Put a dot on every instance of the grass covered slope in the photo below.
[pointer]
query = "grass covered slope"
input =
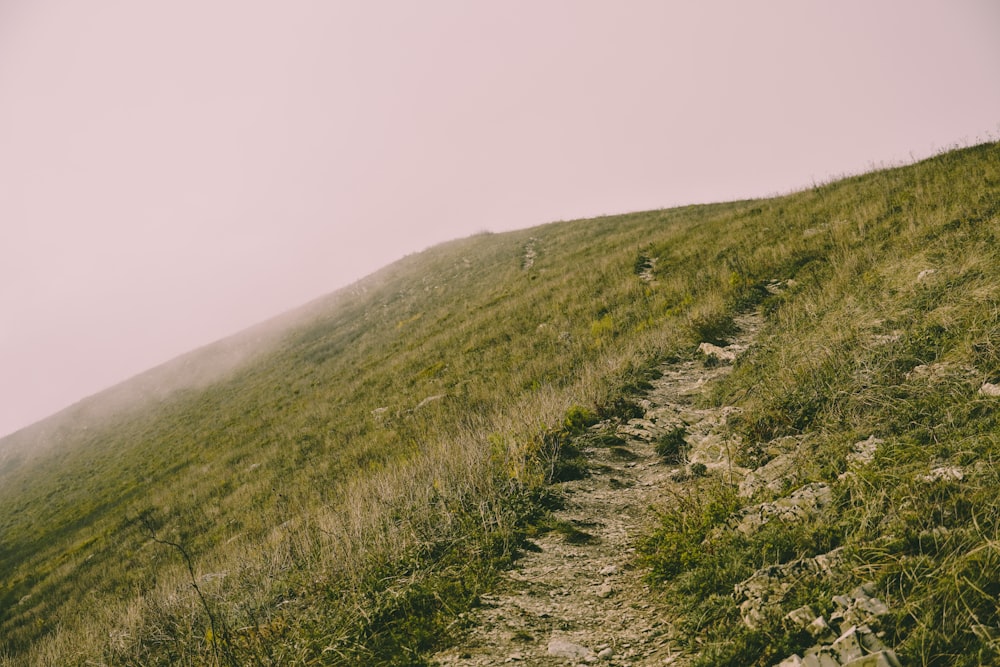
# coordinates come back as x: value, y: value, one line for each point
x: 377, y: 462
x: 341, y: 498
x: 872, y: 377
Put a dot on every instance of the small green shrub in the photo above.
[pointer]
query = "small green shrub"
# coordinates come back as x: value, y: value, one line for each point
x: 604, y: 440
x: 579, y: 419
x: 561, y: 458
x: 568, y: 469
x: 679, y: 544
x: 603, y: 329
x: 748, y: 295
x: 672, y: 445
x: 621, y: 408
x: 716, y: 328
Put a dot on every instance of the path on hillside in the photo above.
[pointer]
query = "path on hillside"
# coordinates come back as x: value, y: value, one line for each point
x: 583, y: 601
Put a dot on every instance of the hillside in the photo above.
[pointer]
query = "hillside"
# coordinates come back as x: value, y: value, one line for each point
x: 352, y: 488
x: 191, y: 371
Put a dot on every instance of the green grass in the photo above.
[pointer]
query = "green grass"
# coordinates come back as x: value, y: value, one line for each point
x: 357, y: 484
x: 858, y: 345
x: 671, y: 445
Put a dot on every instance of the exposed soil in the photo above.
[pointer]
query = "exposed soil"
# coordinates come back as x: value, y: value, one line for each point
x: 530, y: 254
x: 580, y: 598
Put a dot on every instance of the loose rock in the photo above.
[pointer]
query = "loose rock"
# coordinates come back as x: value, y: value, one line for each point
x: 802, y: 504
x: 857, y: 645
x: 725, y: 354
x: 604, y: 591
x: 767, y: 586
x: 989, y: 389
x: 772, y: 476
x: 863, y: 452
x: 952, y: 473
x: 563, y: 648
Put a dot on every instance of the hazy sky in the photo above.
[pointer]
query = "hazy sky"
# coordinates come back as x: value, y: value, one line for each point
x: 172, y: 171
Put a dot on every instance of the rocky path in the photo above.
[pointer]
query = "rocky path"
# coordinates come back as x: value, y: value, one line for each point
x: 580, y: 598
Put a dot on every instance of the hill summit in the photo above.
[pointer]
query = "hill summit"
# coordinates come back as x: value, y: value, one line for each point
x: 749, y: 433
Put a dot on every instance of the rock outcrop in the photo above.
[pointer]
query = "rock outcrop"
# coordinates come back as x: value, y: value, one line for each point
x: 856, y: 644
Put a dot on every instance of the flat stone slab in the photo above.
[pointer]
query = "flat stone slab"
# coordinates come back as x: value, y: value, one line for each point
x: 563, y: 648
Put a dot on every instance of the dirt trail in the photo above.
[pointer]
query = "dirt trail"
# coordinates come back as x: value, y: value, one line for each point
x: 580, y: 599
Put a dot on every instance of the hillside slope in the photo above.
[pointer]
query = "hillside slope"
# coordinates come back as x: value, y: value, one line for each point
x: 345, y: 494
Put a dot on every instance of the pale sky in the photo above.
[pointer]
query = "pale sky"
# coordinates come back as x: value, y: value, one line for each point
x: 173, y: 171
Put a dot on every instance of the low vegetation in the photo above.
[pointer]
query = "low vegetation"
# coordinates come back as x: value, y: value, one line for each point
x: 345, y: 495
x: 888, y: 328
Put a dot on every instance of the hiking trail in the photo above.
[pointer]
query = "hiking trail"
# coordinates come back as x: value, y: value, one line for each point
x: 580, y: 597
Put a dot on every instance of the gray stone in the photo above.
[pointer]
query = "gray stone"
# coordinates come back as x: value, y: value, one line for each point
x: 990, y: 389
x: 429, y: 400
x: 720, y: 353
x: 857, y: 645
x: 799, y: 619
x: 821, y: 631
x: 869, y: 641
x: 767, y: 585
x: 791, y: 661
x: 951, y: 473
x: 865, y: 600
x: 848, y: 646
x: 772, y: 476
x: 863, y: 452
x: 640, y: 429
x: 564, y: 648
x: 828, y: 562
x: 885, y: 658
x: 802, y: 504
x: 940, y: 371
x: 820, y: 656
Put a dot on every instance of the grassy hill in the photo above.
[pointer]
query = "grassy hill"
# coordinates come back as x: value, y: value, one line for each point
x: 341, y: 490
